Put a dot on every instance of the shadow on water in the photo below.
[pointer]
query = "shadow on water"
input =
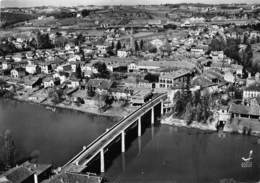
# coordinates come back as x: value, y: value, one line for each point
x: 113, y: 150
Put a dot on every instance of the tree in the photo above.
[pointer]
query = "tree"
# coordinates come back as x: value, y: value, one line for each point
x: 153, y: 50
x: 7, y: 48
x: 196, y: 98
x: 102, y: 70
x: 2, y: 87
x: 8, y: 149
x: 141, y: 45
x: 33, y: 43
x: 91, y: 92
x: 80, y: 39
x: 188, y: 116
x: 170, y: 26
x: 179, y: 107
x: 85, y: 12
x: 112, y: 45
x: 60, y: 41
x: 205, y: 108
x: 78, y: 71
x: 198, y: 112
x: 177, y: 95
x: 111, y: 49
x: 55, y: 95
x: 118, y: 45
x: 231, y: 50
x: 152, y: 78
x: 217, y: 45
x: 136, y: 46
x: 109, y: 100
x: 43, y: 41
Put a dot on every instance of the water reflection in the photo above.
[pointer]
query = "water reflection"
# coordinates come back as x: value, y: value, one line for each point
x: 56, y: 135
x: 162, y: 154
x: 187, y: 155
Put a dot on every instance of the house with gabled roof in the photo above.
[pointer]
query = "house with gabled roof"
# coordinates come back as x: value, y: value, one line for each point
x: 27, y: 173
x: 99, y: 85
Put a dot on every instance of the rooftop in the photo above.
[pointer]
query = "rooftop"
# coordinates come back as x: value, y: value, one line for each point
x: 246, y: 110
x: 253, y: 87
x: 74, y: 177
x: 175, y: 74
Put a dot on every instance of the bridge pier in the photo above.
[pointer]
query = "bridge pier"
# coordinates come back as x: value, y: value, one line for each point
x: 161, y: 107
x: 97, y: 147
x: 152, y: 116
x: 139, y: 145
x: 152, y: 131
x: 139, y: 127
x: 123, y: 142
x: 102, y: 161
x: 123, y: 161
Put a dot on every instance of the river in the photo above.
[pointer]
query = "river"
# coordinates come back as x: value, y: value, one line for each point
x: 163, y: 154
x: 56, y: 135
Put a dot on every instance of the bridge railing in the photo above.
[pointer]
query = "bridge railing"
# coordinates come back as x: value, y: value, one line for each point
x: 113, y: 127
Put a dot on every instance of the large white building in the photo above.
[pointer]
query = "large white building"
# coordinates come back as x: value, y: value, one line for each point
x: 251, y: 91
x: 174, y: 78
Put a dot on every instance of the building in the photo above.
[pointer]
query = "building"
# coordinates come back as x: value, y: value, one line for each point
x: 122, y: 53
x: 69, y: 177
x: 121, y: 93
x: 99, y: 85
x: 26, y: 173
x: 251, y: 91
x: 31, y: 82
x: 73, y: 83
x: 140, y: 97
x: 62, y: 76
x: 18, y: 73
x: 153, y: 65
x: 229, y: 77
x: 32, y: 69
x: 173, y: 79
x: 48, y: 82
x: 45, y: 67
x: 245, y: 111
x: 6, y: 65
x: 217, y: 56
x: 223, y: 114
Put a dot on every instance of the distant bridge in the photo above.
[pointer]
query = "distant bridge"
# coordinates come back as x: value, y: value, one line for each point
x: 80, y: 161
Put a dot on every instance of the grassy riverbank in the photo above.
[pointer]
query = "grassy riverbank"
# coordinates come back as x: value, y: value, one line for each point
x: 90, y: 105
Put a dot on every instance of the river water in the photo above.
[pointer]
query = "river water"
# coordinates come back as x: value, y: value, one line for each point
x: 56, y: 135
x: 163, y: 154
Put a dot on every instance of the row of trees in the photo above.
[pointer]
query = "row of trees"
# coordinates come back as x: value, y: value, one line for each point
x: 7, y: 150
x: 192, y: 106
x: 230, y: 46
x: 103, y: 72
x: 40, y: 41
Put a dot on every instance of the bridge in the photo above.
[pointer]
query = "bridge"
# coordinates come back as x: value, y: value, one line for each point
x: 80, y: 161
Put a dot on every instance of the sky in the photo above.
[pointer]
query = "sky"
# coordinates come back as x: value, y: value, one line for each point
x: 29, y: 3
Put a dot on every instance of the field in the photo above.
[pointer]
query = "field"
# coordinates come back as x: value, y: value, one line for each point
x: 9, y: 19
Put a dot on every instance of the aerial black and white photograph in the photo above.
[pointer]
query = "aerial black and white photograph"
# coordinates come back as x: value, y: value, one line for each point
x: 138, y: 91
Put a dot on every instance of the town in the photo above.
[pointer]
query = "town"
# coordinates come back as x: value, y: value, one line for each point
x: 111, y: 60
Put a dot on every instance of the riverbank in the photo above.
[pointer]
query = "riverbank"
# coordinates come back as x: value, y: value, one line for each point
x: 182, y: 123
x: 228, y: 128
x: 89, y: 106
x: 88, y: 109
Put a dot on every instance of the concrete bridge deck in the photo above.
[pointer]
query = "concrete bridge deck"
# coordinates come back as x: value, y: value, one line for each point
x: 79, y: 162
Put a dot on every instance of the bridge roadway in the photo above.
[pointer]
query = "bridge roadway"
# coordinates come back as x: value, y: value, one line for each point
x: 79, y: 162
